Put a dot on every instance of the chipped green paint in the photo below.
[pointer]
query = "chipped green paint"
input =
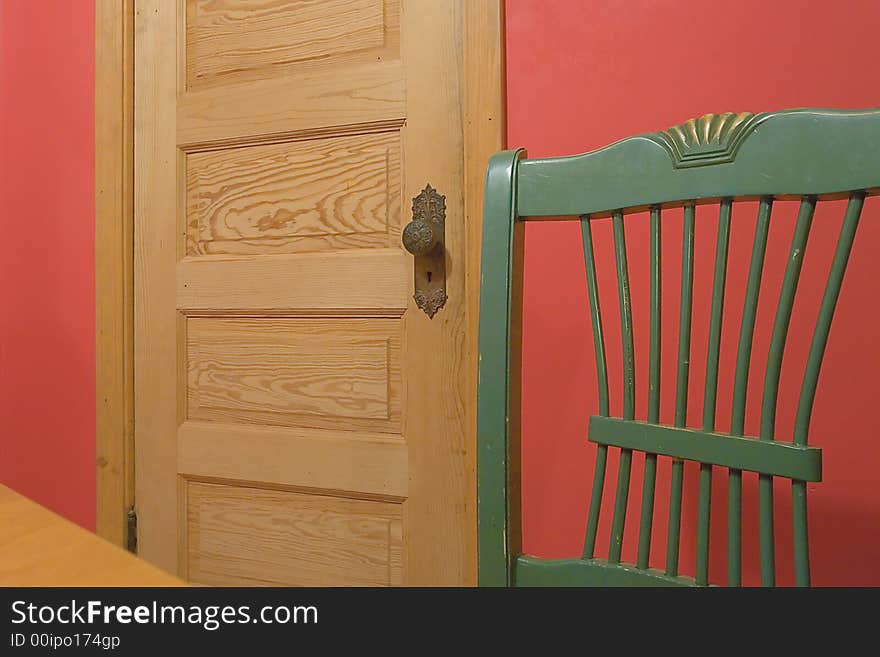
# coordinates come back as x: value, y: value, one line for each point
x: 497, y: 508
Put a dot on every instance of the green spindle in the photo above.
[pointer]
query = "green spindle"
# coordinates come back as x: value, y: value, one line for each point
x: 625, y: 465
x: 620, y: 500
x: 734, y: 527
x: 685, y: 312
x: 595, y: 315
x: 750, y: 310
x: 801, y: 535
x: 654, y: 365
x: 626, y: 329
x: 716, y: 314
x: 649, y: 482
x: 703, y: 517
x: 741, y: 378
x: 811, y: 378
x: 771, y: 380
x: 595, y: 501
x: 647, y: 518
x: 602, y: 376
x: 826, y: 314
x: 672, y: 541
x: 783, y: 316
x: 765, y: 523
x: 681, y: 387
x: 710, y: 395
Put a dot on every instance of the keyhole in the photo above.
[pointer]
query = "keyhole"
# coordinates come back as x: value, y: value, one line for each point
x: 429, y: 277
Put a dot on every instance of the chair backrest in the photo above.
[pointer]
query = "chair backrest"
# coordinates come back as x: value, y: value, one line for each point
x: 805, y: 154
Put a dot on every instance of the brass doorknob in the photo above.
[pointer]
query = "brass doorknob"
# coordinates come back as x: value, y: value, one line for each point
x: 419, y: 238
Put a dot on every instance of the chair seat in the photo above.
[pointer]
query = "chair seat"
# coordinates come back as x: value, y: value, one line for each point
x: 532, y: 571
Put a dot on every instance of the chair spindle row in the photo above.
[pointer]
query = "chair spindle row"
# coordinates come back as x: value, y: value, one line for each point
x: 744, y: 352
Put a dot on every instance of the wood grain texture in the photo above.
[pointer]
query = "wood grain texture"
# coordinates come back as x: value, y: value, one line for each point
x: 114, y: 23
x: 339, y: 374
x: 372, y: 279
x: 40, y: 548
x: 302, y: 103
x: 439, y: 515
x: 155, y: 316
x: 235, y: 40
x: 241, y: 536
x: 484, y: 133
x: 315, y: 195
x: 346, y: 462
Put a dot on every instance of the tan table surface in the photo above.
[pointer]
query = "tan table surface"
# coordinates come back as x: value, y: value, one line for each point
x: 40, y: 548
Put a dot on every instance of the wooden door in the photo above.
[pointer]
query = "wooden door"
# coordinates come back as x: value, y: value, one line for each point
x: 299, y: 421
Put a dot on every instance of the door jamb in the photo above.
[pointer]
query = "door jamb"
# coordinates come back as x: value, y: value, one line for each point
x: 114, y: 251
x: 484, y: 134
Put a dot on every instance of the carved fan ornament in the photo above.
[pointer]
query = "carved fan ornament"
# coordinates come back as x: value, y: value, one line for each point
x: 709, y: 139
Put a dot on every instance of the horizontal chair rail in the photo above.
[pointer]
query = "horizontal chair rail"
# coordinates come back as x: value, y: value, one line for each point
x: 531, y: 571
x: 765, y: 457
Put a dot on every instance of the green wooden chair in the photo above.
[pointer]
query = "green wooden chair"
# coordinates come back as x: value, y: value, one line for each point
x: 810, y: 155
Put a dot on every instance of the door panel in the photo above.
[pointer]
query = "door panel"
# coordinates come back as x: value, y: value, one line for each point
x: 325, y: 194
x: 298, y: 419
x: 339, y: 373
x: 230, y: 42
x: 256, y: 536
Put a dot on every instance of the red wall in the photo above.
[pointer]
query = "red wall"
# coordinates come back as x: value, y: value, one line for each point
x: 584, y: 74
x: 47, y: 306
x: 580, y: 75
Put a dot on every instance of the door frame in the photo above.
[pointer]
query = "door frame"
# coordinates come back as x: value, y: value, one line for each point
x: 484, y: 134
x: 114, y: 270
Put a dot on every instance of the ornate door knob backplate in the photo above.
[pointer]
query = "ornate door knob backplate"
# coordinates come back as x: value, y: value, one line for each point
x: 424, y: 237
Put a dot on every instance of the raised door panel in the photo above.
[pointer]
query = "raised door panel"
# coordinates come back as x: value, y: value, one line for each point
x: 242, y: 536
x: 341, y: 373
x: 233, y: 40
x: 303, y: 196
